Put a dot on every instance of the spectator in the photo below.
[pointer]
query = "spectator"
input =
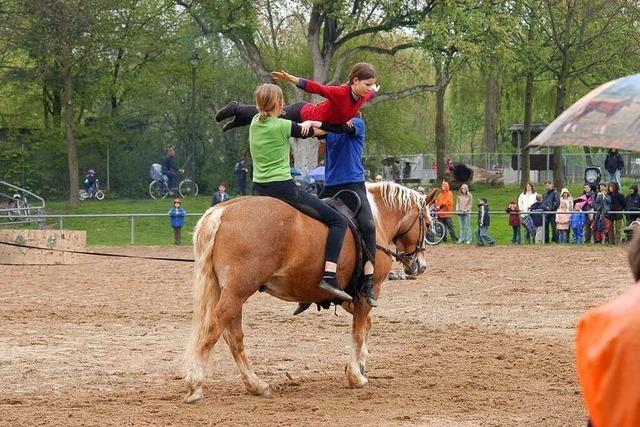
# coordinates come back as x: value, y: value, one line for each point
x: 449, y: 165
x: 90, y: 182
x: 525, y: 200
x: 241, y: 178
x: 514, y: 221
x: 617, y: 204
x: 562, y: 221
x: 537, y: 212
x: 633, y: 204
x: 169, y: 168
x: 220, y: 195
x: 420, y: 189
x: 601, y: 206
x: 552, y: 202
x: 577, y: 221
x: 177, y: 213
x: 566, y: 196
x: 483, y: 224
x: 378, y: 178
x: 614, y: 164
x: 464, y: 202
x: 444, y: 203
x: 590, y: 199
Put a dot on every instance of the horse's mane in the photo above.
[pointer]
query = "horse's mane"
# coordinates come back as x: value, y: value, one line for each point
x: 397, y: 196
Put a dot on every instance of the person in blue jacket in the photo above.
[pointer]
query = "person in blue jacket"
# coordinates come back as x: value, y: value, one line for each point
x: 221, y: 195
x: 176, y: 215
x: 344, y: 171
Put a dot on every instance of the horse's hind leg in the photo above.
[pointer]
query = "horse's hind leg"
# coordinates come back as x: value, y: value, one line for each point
x: 234, y: 336
x: 228, y: 307
x: 359, y: 332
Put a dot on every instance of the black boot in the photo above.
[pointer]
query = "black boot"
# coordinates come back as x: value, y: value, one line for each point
x: 226, y: 111
x: 367, y: 290
x: 333, y: 288
x: 302, y: 307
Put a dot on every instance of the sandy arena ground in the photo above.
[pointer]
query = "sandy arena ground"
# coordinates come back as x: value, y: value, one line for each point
x: 485, y: 337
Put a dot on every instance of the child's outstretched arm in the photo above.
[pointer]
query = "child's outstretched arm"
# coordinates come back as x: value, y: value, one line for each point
x: 308, y: 86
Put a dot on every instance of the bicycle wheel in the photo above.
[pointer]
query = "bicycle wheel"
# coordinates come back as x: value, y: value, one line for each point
x: 435, y: 233
x: 82, y: 195
x: 188, y: 188
x: 99, y: 195
x: 158, y: 190
x: 13, y: 213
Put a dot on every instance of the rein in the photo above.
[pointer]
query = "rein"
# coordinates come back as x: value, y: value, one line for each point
x: 408, y: 259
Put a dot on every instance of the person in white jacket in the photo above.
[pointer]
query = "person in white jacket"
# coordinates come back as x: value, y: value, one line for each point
x: 525, y: 200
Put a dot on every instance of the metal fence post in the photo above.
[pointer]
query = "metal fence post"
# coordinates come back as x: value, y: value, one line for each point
x: 61, y: 223
x: 133, y: 229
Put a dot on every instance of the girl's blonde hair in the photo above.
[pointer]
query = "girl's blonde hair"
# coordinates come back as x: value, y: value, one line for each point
x: 269, y: 98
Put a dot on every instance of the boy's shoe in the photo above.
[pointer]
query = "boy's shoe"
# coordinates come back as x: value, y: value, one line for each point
x: 492, y: 243
x: 479, y: 245
x: 226, y: 111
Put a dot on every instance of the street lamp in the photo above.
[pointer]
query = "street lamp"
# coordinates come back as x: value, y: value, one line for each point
x: 194, y: 60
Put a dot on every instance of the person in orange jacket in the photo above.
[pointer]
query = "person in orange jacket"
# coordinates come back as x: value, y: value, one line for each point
x: 444, y: 203
x: 608, y: 356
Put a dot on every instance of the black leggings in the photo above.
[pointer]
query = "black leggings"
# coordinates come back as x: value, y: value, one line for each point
x: 365, y: 216
x: 245, y: 113
x: 310, y: 205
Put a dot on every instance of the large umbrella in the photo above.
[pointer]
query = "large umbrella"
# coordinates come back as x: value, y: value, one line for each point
x: 608, y: 116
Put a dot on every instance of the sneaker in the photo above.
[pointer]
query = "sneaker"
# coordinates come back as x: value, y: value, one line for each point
x: 335, y: 290
x: 230, y: 125
x: 227, y: 111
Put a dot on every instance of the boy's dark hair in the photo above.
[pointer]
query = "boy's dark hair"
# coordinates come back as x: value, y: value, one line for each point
x: 547, y: 182
x: 483, y: 200
x: 538, y: 197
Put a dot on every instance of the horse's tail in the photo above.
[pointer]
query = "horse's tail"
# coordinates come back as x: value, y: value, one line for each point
x: 206, y: 291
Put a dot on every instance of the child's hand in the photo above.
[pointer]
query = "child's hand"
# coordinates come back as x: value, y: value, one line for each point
x: 282, y: 76
x: 306, y: 126
x: 375, y: 88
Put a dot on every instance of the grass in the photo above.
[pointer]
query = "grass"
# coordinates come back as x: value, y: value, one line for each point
x: 157, y: 231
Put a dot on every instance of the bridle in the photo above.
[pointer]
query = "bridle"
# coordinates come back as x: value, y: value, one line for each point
x: 409, y: 259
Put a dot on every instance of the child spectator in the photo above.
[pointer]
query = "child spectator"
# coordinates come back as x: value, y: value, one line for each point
x: 514, y: 221
x: 537, y: 213
x: 221, y: 195
x: 577, y: 221
x: 633, y: 204
x: 617, y: 205
x: 590, y: 198
x: 90, y: 182
x: 176, y: 213
x: 562, y: 221
x: 444, y: 202
x: 602, y: 206
x: 463, y: 206
x: 525, y: 200
x: 483, y: 224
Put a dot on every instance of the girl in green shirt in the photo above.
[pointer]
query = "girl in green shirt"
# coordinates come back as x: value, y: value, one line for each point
x: 269, y: 144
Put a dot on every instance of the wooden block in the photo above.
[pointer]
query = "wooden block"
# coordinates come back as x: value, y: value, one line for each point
x: 53, y: 239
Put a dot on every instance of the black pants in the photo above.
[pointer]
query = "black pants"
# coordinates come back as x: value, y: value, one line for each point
x: 245, y: 113
x: 310, y: 205
x: 365, y: 216
x: 449, y: 226
x: 550, y: 223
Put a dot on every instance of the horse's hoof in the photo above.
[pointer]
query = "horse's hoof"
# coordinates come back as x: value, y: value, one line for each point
x: 194, y: 395
x: 362, y: 369
x: 266, y: 393
x: 360, y: 382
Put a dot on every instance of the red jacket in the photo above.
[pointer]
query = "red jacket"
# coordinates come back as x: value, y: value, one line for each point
x: 514, y: 219
x: 338, y: 107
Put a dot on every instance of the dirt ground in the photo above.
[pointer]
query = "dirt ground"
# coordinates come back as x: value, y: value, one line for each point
x: 485, y: 337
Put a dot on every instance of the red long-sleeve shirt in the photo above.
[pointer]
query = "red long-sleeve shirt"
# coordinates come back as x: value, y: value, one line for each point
x: 339, y: 105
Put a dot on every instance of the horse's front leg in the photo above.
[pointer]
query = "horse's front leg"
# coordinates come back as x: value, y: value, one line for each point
x: 359, y: 332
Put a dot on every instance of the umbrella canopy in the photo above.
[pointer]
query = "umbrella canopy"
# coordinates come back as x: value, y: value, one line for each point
x: 607, y: 117
x: 317, y: 173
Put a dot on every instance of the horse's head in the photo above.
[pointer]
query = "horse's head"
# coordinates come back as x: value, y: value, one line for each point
x: 413, y: 219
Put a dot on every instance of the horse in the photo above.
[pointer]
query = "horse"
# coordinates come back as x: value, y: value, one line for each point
x: 253, y: 244
x: 609, y: 107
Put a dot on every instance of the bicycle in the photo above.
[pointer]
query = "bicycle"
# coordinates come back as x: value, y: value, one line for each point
x: 434, y: 233
x: 159, y: 187
x: 20, y: 207
x: 97, y: 193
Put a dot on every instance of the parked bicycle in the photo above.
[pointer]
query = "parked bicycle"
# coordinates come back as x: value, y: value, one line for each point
x: 97, y: 192
x: 435, y: 232
x: 159, y: 186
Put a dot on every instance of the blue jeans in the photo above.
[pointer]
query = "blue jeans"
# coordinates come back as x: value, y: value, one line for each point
x: 483, y: 236
x: 465, y: 228
x: 563, y: 236
x: 516, y: 234
x: 615, y: 177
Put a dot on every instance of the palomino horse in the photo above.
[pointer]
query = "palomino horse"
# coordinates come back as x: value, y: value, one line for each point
x: 255, y: 243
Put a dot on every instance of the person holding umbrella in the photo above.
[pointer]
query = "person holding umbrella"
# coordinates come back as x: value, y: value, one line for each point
x: 614, y: 164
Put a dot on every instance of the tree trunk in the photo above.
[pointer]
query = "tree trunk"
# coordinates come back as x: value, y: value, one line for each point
x: 440, y: 132
x: 305, y: 153
x: 57, y: 108
x: 525, y: 164
x: 45, y: 108
x: 561, y: 91
x: 490, y: 139
x: 72, y: 156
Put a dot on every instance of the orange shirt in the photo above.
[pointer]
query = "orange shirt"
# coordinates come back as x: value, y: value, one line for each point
x: 608, y: 361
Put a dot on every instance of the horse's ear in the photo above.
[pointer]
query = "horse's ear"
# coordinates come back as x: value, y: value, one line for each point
x: 431, y: 196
